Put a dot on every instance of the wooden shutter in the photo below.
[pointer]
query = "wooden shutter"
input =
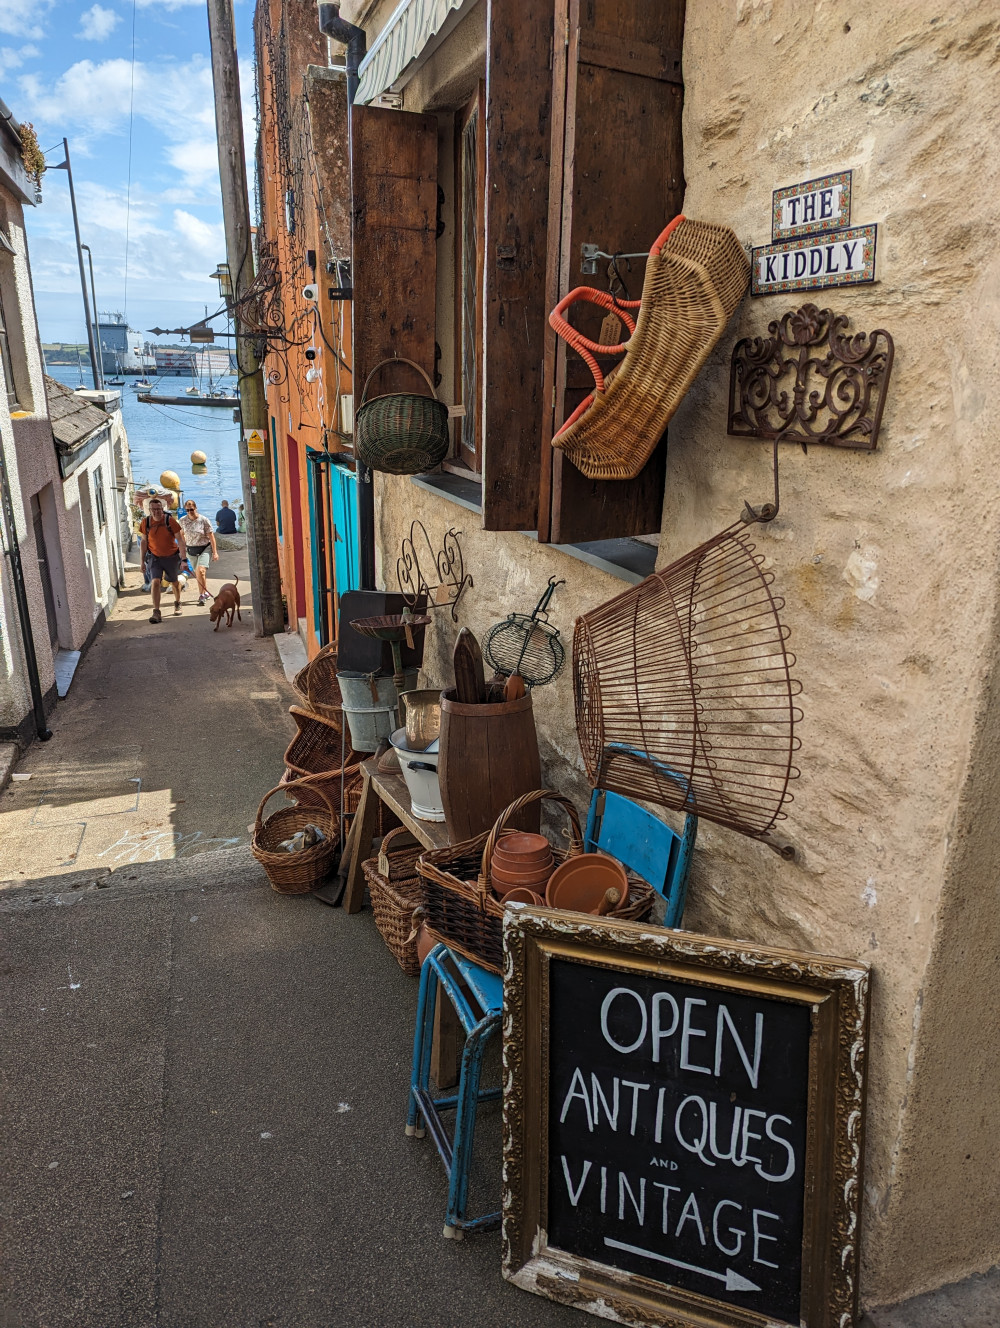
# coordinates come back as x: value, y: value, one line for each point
x: 618, y: 164
x: 393, y: 244
x: 518, y: 143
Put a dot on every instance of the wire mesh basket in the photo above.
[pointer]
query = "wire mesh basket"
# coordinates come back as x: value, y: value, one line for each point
x: 683, y: 689
x: 527, y: 644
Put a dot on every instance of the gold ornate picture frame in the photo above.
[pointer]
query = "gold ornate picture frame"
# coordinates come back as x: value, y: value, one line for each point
x: 683, y: 1125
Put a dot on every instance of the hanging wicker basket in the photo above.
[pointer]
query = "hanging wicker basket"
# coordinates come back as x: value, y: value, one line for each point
x: 401, y: 433
x: 696, y: 275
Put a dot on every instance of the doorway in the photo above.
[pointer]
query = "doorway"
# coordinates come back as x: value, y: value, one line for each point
x: 45, y: 572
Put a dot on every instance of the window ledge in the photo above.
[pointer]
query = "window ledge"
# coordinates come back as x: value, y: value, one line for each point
x: 456, y: 488
x: 628, y: 559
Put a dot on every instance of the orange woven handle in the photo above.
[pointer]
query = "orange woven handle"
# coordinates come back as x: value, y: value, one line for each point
x: 525, y: 800
x: 585, y: 347
x: 289, y: 788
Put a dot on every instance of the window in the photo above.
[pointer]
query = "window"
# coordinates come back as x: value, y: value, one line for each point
x: 469, y: 191
x: 102, y: 516
x: 8, y: 367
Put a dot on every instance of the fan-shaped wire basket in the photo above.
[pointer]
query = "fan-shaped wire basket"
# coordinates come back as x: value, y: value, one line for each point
x: 683, y: 689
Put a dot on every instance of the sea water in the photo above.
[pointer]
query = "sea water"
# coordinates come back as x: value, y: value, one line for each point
x: 163, y: 437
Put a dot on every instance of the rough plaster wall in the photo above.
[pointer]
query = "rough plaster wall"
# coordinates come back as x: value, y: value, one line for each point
x: 887, y: 564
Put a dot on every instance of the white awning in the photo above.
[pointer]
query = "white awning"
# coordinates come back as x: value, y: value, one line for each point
x: 415, y: 29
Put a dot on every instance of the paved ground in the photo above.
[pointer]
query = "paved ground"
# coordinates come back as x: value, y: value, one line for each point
x: 205, y: 1092
x: 164, y: 746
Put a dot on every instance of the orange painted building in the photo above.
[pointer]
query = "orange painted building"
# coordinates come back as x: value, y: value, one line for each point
x: 303, y: 259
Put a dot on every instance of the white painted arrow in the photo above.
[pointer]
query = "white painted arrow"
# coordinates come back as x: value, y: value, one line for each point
x: 733, y: 1280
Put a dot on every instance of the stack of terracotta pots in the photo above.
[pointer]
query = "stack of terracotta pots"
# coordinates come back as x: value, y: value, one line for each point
x: 523, y: 871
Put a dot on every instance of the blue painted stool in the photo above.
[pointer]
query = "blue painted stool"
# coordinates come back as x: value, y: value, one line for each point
x: 615, y: 825
x: 442, y: 969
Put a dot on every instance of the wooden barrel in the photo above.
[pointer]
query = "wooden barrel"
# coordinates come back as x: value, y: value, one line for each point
x: 489, y: 757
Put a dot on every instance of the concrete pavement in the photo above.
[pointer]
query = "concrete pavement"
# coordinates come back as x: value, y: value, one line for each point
x: 205, y: 1091
x: 164, y: 746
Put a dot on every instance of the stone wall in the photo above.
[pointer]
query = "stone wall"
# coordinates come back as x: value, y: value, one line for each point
x: 887, y: 564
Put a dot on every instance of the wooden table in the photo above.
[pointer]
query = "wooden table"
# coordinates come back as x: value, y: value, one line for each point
x: 391, y: 791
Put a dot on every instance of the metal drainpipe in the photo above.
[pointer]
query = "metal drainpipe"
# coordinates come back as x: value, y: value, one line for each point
x: 332, y: 25
x: 21, y: 595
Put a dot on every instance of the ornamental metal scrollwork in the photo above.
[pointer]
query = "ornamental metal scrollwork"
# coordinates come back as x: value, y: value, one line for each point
x: 811, y: 381
x: 452, y: 578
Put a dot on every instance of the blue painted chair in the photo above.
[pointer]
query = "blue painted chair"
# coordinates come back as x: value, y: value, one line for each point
x: 616, y: 826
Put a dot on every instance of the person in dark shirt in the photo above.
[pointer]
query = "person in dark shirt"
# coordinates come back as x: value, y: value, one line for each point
x: 225, y: 519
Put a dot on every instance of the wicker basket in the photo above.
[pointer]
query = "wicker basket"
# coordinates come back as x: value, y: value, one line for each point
x: 295, y: 873
x: 316, y: 751
x: 396, y: 893
x: 696, y: 275
x: 466, y: 915
x: 401, y: 433
x: 318, y: 688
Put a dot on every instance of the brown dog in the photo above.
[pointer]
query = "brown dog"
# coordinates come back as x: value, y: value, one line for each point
x: 227, y: 601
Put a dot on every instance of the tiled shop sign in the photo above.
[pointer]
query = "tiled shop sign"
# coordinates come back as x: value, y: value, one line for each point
x: 812, y: 207
x: 840, y: 258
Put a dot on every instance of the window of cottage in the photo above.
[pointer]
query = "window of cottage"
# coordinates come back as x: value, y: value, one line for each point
x: 8, y: 367
x: 469, y: 229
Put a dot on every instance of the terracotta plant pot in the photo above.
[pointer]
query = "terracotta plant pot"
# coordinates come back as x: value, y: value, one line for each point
x: 580, y: 883
x: 522, y: 896
x: 503, y: 881
x: 523, y: 848
x: 425, y: 943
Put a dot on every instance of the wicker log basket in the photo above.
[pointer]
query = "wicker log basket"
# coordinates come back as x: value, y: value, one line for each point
x: 318, y: 688
x: 296, y: 873
x: 462, y: 910
x: 315, y: 754
x: 396, y: 892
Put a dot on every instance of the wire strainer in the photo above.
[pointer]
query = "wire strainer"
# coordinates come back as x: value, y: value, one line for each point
x: 527, y: 644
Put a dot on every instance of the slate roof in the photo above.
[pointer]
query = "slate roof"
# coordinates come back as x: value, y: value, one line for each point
x: 74, y: 419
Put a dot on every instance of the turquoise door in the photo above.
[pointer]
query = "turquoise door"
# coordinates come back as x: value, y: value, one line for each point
x: 344, y: 498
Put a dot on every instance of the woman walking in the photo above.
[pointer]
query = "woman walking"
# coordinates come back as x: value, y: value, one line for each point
x: 200, y: 538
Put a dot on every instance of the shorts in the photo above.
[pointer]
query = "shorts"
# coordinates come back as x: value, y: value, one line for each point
x: 167, y: 568
x: 199, y: 557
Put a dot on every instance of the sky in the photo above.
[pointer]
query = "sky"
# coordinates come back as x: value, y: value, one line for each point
x: 67, y: 66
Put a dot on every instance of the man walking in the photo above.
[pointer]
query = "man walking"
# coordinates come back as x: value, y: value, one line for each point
x: 225, y: 519
x: 163, y: 541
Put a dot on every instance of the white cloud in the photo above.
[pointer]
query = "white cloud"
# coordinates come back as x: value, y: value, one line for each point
x: 20, y: 18
x: 97, y: 23
x: 169, y: 4
x: 14, y: 59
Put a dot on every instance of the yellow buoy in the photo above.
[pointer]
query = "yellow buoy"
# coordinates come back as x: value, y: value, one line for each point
x: 170, y: 498
x: 170, y: 480
x: 198, y: 458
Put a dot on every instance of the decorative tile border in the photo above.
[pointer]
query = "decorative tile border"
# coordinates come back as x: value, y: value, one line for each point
x: 812, y: 207
x: 838, y: 258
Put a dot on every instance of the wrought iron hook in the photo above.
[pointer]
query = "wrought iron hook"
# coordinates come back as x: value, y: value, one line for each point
x: 767, y: 511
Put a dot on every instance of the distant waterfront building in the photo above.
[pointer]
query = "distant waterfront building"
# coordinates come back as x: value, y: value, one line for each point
x: 122, y: 348
x: 177, y: 360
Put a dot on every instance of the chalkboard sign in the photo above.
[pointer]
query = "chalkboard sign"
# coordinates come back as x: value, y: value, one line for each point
x: 683, y: 1123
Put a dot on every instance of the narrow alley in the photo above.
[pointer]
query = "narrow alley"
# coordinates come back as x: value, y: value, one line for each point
x: 197, y: 1131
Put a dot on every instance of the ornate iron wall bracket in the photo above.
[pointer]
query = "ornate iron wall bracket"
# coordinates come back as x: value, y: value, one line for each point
x: 810, y: 381
x: 452, y: 578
